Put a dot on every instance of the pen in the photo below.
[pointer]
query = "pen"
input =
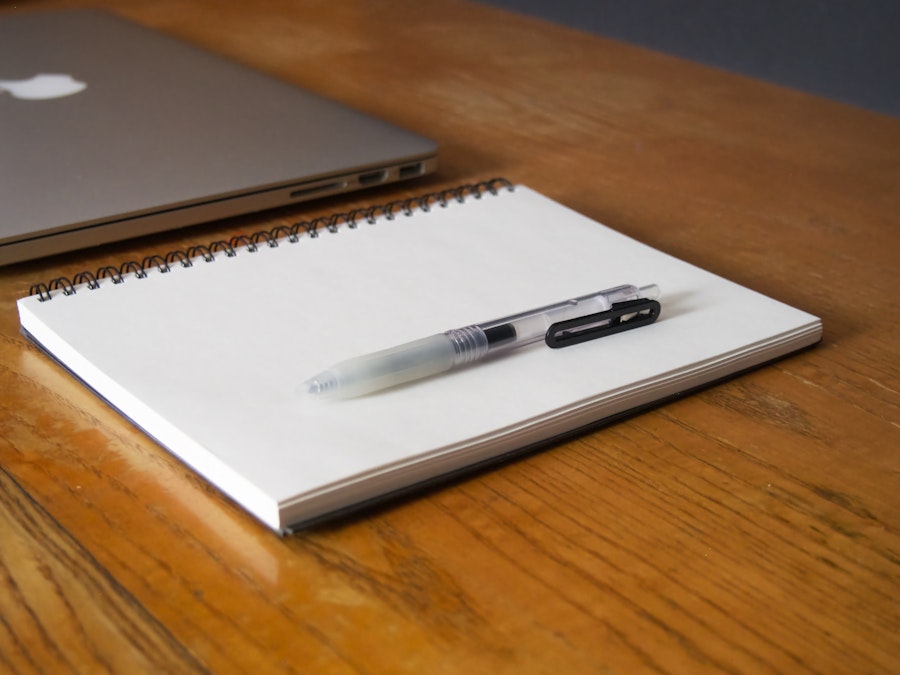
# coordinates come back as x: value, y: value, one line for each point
x: 567, y: 322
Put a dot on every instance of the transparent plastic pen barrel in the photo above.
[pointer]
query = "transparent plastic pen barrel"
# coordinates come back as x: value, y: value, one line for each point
x: 460, y: 346
x: 527, y: 327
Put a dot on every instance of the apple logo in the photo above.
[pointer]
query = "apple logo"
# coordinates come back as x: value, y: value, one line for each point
x: 42, y: 86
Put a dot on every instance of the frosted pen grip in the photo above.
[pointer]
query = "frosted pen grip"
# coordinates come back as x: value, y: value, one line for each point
x: 397, y: 365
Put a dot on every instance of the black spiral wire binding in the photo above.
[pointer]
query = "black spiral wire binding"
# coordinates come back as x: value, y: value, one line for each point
x: 271, y: 238
x: 200, y: 251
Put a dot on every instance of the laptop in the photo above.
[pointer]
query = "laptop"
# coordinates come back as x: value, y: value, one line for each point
x: 111, y: 130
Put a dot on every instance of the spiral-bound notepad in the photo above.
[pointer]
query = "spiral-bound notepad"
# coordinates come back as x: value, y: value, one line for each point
x: 205, y: 349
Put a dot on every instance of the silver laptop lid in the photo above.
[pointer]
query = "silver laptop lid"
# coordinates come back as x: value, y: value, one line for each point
x: 112, y: 130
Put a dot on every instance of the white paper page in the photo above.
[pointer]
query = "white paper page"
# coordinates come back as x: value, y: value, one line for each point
x: 219, y: 350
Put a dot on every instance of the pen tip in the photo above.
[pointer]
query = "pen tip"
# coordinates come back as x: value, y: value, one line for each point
x: 311, y: 388
x: 318, y: 386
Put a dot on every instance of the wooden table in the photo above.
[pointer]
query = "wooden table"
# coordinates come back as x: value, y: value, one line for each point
x: 753, y: 527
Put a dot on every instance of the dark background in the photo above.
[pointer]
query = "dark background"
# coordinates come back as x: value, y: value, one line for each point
x: 848, y: 50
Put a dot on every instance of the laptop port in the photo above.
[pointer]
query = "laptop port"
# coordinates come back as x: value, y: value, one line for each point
x: 372, y: 177
x: 316, y: 189
x: 411, y: 170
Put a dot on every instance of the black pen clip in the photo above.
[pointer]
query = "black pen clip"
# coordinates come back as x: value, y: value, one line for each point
x: 622, y: 316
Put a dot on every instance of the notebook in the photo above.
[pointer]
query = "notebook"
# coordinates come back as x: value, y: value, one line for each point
x: 206, y: 349
x: 120, y: 131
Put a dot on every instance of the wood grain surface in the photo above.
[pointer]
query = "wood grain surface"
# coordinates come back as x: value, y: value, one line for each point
x: 749, y: 528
